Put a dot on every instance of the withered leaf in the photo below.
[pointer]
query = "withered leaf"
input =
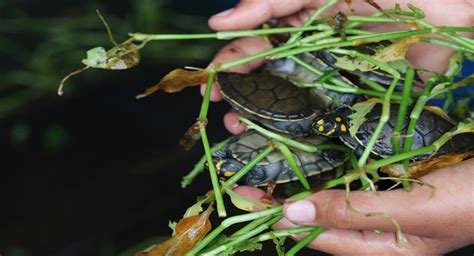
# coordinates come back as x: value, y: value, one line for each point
x: 192, y: 135
x: 189, y: 231
x: 177, y: 80
x: 396, y: 51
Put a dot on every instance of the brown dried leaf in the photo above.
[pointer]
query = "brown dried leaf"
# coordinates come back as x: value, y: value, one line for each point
x: 192, y: 135
x: 177, y: 80
x: 396, y: 51
x: 189, y: 231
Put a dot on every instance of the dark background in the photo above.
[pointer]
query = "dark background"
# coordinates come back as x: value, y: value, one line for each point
x: 96, y: 172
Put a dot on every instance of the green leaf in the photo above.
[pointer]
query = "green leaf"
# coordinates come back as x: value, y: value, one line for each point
x: 96, y: 57
x: 352, y: 64
x: 196, y: 208
x: 448, y: 86
x: 119, y: 57
x: 400, y: 65
x: 455, y: 65
x: 172, y: 225
x: 360, y: 110
x: 469, y: 56
x: 242, y: 247
x: 279, y: 244
x: 465, y: 127
x: 243, y: 203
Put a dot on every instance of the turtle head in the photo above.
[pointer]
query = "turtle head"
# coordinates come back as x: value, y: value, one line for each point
x: 329, y: 125
x: 226, y: 167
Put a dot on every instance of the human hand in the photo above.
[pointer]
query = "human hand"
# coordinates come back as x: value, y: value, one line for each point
x: 431, y: 225
x: 251, y: 13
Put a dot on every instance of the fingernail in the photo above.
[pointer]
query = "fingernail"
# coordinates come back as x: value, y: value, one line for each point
x: 301, y: 211
x: 224, y: 13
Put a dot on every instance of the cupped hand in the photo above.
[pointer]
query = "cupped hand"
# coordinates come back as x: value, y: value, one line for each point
x: 251, y: 13
x: 432, y: 224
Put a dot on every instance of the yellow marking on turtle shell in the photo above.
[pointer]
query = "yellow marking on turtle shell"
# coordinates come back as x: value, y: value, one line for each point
x: 343, y: 128
x: 321, y: 128
x: 228, y: 174
x: 320, y: 121
x: 338, y: 119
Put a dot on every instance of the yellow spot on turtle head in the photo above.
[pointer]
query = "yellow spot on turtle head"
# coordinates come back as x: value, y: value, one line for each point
x: 219, y: 164
x: 228, y: 174
x: 338, y: 119
x: 331, y: 131
x: 321, y: 128
x: 320, y: 121
x: 343, y: 128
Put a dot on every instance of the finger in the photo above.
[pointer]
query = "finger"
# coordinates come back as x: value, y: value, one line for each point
x: 238, y: 49
x: 254, y: 194
x: 251, y: 13
x: 215, y: 93
x: 414, y: 210
x: 232, y: 123
x: 353, y: 242
x: 328, y: 208
x: 251, y: 193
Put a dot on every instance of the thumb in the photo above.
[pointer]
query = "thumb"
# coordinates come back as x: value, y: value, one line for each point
x: 367, y: 210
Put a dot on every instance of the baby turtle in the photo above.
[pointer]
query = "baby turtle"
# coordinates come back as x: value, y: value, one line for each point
x: 431, y: 125
x: 273, y: 101
x: 274, y: 167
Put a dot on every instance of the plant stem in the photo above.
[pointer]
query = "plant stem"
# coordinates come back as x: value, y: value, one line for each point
x: 212, y: 171
x: 347, y: 178
x: 251, y: 226
x: 199, y: 167
x: 206, y: 99
x: 318, y: 72
x: 238, y: 175
x: 305, y: 241
x: 223, y: 35
x: 231, y: 221
x: 281, y: 233
x: 207, y: 149
x: 245, y: 236
x: 378, y: 19
x: 311, y: 19
x: 446, y: 44
x: 410, y: 74
x: 290, y: 142
x: 395, y: 96
x: 292, y: 162
x: 386, y: 100
x: 414, y: 115
x: 257, y: 56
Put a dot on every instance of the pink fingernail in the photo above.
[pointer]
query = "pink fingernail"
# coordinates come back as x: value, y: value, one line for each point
x: 224, y: 13
x: 301, y: 211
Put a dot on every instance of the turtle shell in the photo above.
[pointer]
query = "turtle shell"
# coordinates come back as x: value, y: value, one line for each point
x: 274, y: 166
x: 378, y: 75
x: 431, y: 125
x: 272, y: 100
x: 290, y: 70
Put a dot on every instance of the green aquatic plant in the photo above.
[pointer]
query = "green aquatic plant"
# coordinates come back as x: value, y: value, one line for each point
x: 320, y: 35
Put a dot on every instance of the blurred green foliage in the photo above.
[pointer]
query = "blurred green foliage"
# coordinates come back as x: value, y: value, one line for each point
x: 37, y: 52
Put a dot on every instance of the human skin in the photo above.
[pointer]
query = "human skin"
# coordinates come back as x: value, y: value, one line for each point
x: 251, y: 13
x: 431, y: 225
x: 433, y: 221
